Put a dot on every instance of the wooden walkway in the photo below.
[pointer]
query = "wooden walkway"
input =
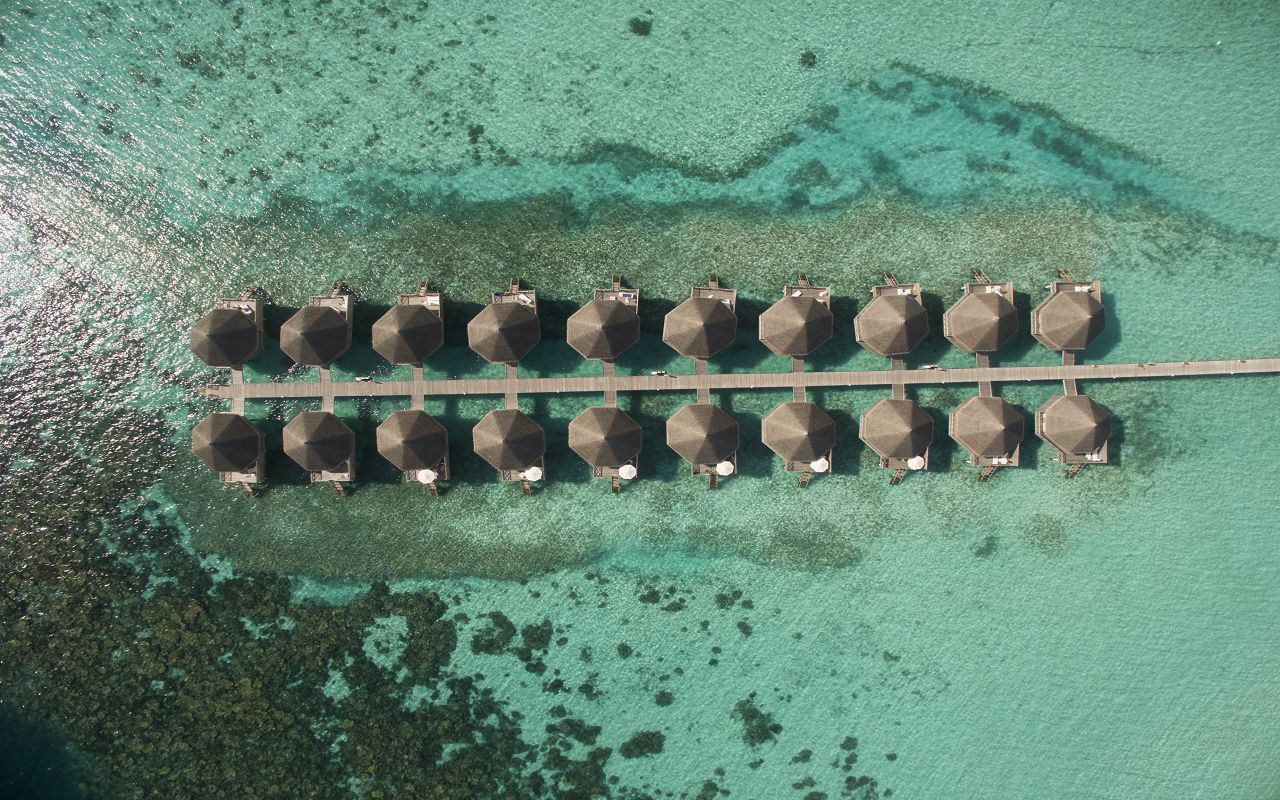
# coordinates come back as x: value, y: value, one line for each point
x: 238, y: 392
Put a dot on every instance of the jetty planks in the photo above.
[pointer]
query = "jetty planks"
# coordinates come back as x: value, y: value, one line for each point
x: 238, y: 392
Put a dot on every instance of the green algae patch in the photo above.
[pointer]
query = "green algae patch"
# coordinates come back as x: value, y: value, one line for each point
x: 644, y: 743
x: 758, y: 726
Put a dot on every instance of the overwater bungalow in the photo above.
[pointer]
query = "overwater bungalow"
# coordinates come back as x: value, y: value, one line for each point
x: 607, y: 325
x: 800, y: 322
x: 707, y: 438
x: 230, y: 334
x: 231, y: 445
x: 704, y: 324
x: 511, y: 443
x: 900, y: 432
x: 1070, y: 317
x: 417, y: 445
x: 508, y: 328
x: 1075, y: 426
x: 983, y: 319
x: 411, y: 330
x: 609, y: 440
x: 323, y: 445
x: 894, y: 322
x: 803, y: 435
x: 320, y: 332
x: 990, y: 429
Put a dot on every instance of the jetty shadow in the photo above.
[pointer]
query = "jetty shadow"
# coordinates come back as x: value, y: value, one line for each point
x: 846, y: 450
x: 552, y: 359
x: 280, y: 469
x: 562, y: 464
x: 1115, y: 443
x: 456, y: 357
x: 746, y: 352
x: 1029, y: 456
x: 650, y: 353
x: 943, y: 450
x: 754, y: 458
x: 1110, y: 336
x: 361, y: 358
x: 934, y: 346
x: 838, y: 351
x: 1021, y: 342
x: 271, y: 360
x: 657, y: 460
x: 371, y: 466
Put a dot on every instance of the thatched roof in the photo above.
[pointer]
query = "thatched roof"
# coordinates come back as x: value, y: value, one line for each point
x: 225, y: 337
x: 316, y: 335
x: 504, y: 333
x: 319, y: 441
x: 605, y: 436
x: 1074, y: 424
x: 702, y: 434
x: 980, y: 322
x: 412, y: 440
x: 227, y: 442
x: 987, y: 426
x: 408, y: 333
x: 508, y: 439
x: 1068, y: 320
x: 795, y: 326
x: 891, y: 324
x: 798, y: 431
x: 699, y: 327
x: 896, y: 428
x: 603, y: 329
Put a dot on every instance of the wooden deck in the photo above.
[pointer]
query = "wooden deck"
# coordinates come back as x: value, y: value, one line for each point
x: 509, y: 387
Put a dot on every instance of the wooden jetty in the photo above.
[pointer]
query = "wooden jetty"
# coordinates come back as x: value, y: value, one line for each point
x: 980, y: 322
x: 891, y: 325
x: 717, y: 382
x: 605, y: 436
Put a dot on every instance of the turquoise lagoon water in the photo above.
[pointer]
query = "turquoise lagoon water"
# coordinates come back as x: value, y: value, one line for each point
x: 1109, y: 637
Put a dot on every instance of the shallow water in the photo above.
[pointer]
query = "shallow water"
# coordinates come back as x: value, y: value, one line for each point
x: 1108, y: 636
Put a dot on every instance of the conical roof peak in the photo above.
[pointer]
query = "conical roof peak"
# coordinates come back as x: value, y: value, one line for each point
x: 700, y: 327
x: 798, y: 431
x: 227, y: 442
x: 226, y: 337
x: 315, y: 335
x: 796, y: 326
x: 319, y: 441
x: 412, y: 440
x: 408, y: 333
x: 508, y: 440
x: 891, y: 324
x: 897, y: 429
x: 603, y: 329
x: 605, y: 436
x: 504, y: 333
x: 702, y: 434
